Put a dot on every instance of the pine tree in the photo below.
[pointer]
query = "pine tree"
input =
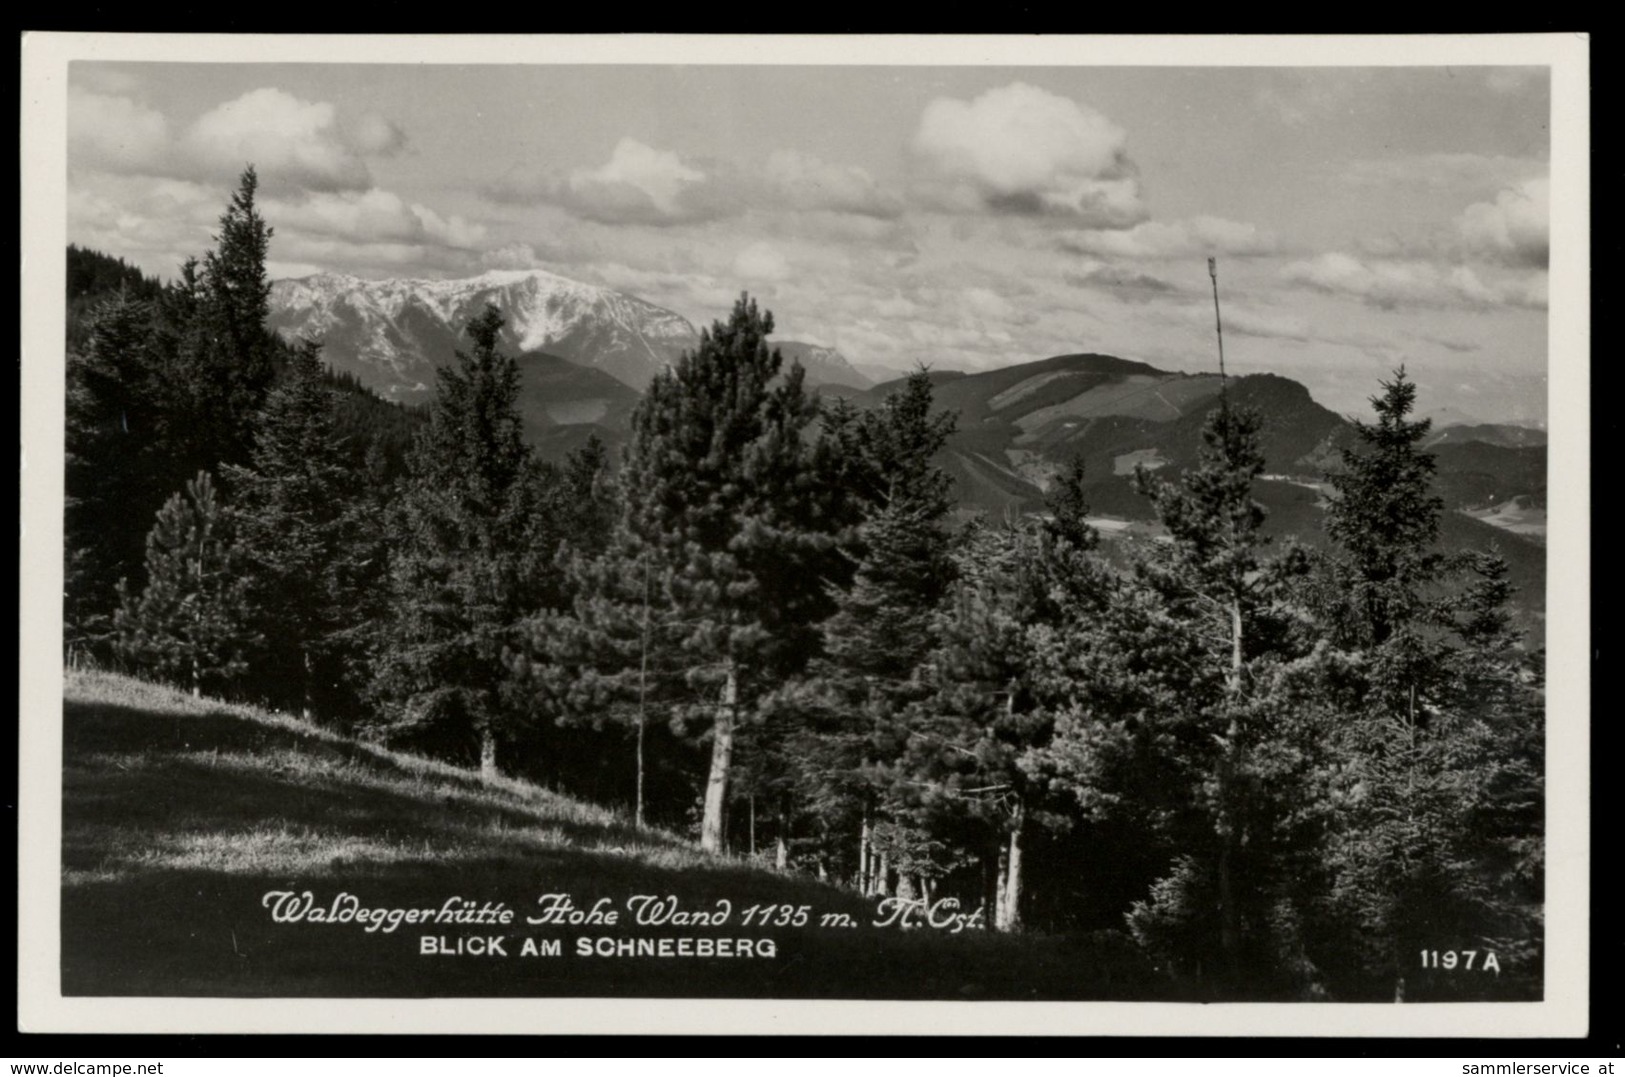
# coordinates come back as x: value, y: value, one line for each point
x: 1439, y: 745
x: 1008, y: 637
x: 224, y: 357
x: 474, y: 556
x: 1384, y: 518
x: 292, y: 509
x: 727, y: 497
x: 843, y: 727
x: 112, y: 410
x: 190, y: 622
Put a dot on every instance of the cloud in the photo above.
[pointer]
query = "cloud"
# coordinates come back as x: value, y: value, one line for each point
x: 641, y: 184
x: 1515, y: 228
x: 289, y: 141
x: 294, y: 145
x: 372, y: 216
x: 1022, y: 150
x: 378, y: 136
x: 761, y: 262
x: 114, y: 133
x: 1127, y: 285
x: 1393, y: 284
x: 1174, y: 239
x: 796, y: 180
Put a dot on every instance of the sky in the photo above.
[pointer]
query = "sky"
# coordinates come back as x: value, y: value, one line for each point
x: 961, y: 217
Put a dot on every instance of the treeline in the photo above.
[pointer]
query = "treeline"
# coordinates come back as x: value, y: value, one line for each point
x: 1281, y: 774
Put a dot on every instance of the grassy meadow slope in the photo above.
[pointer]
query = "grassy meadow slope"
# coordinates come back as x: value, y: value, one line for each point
x: 180, y: 814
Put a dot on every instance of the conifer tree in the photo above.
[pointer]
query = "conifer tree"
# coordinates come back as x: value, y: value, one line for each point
x: 1026, y: 601
x: 294, y: 521
x: 474, y: 556
x: 224, y: 357
x: 111, y: 417
x: 1439, y: 744
x: 844, y: 725
x: 190, y: 622
x: 726, y: 495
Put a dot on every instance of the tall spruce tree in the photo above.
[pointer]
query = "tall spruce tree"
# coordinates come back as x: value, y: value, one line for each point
x: 295, y: 526
x: 726, y: 497
x: 190, y: 623
x: 1438, y: 751
x: 473, y: 560
x: 843, y: 726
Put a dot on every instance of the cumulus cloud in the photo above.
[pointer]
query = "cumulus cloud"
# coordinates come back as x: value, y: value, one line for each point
x: 114, y: 133
x: 641, y: 184
x: 1393, y: 284
x: 289, y: 141
x: 1173, y: 239
x: 372, y: 216
x: 378, y: 136
x: 1019, y: 149
x: 293, y: 144
x: 1515, y: 228
x: 797, y: 180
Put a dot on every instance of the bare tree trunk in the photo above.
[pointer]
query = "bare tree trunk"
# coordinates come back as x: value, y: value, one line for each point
x: 1229, y: 828
x: 863, y: 857
x: 488, y: 754
x: 722, y: 746
x: 925, y: 887
x: 643, y: 693
x: 1001, y: 889
x: 883, y: 879
x: 781, y: 838
x: 1011, y: 906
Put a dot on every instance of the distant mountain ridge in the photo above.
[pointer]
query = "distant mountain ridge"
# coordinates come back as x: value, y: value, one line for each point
x: 393, y: 333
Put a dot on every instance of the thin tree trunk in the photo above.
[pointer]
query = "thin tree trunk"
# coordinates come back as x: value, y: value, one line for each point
x: 643, y: 684
x: 1230, y: 830
x: 304, y: 706
x: 781, y: 837
x: 488, y: 754
x: 1012, y: 892
x: 863, y: 856
x: 1001, y: 889
x: 722, y: 746
x: 883, y: 876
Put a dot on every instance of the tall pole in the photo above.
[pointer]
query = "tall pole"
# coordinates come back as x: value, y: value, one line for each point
x: 1218, y: 326
x: 1213, y: 273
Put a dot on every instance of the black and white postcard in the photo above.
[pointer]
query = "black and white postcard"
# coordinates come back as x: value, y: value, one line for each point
x: 768, y: 534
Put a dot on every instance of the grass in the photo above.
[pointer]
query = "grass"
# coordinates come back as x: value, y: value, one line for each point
x: 179, y: 814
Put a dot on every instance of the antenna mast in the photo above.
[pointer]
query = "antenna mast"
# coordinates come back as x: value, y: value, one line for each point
x: 1218, y: 326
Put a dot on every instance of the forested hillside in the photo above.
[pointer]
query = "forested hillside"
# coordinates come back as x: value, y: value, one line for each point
x: 1263, y: 768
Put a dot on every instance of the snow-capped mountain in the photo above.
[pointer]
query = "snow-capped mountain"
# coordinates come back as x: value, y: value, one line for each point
x: 393, y: 333
x: 824, y: 366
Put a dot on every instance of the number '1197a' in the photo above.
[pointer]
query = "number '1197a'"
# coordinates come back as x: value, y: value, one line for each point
x: 1466, y: 960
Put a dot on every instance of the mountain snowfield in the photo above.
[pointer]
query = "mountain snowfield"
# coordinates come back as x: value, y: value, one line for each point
x: 393, y: 333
